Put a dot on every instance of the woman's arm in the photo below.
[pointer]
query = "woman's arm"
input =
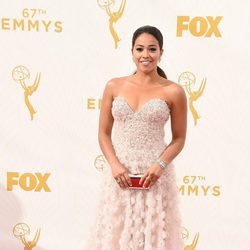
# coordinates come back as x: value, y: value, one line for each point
x: 104, y: 135
x: 105, y: 125
x: 178, y: 124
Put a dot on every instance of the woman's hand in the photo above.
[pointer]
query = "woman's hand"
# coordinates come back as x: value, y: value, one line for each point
x: 151, y: 176
x: 121, y: 176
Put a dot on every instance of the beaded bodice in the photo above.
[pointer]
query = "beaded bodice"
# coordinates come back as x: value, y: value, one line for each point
x: 138, y: 137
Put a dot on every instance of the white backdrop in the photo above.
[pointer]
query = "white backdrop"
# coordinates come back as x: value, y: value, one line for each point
x: 50, y: 166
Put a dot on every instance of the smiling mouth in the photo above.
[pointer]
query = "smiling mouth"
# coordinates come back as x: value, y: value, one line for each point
x: 146, y: 62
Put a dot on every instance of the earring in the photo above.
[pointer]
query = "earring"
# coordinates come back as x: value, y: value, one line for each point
x: 159, y: 59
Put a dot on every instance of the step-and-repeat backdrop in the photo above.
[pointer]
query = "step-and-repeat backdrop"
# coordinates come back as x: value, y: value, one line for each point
x: 55, y: 59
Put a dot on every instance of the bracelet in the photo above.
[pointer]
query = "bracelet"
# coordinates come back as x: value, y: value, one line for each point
x: 161, y: 163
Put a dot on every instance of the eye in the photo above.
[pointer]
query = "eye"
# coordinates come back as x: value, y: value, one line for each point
x: 139, y: 49
x: 152, y: 49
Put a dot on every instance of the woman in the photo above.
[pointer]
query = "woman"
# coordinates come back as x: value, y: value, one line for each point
x: 134, y: 110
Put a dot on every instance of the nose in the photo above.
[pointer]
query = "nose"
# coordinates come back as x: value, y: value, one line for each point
x: 145, y: 53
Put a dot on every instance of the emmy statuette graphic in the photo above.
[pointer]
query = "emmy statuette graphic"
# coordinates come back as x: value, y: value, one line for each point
x: 20, y: 231
x: 100, y: 162
x: 185, y: 235
x: 187, y: 80
x: 20, y: 74
x: 194, y: 243
x: 113, y: 16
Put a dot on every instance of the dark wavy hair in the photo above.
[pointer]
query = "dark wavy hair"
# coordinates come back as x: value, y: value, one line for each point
x: 158, y: 36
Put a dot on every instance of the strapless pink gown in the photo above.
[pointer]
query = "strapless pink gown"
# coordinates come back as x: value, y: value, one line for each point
x: 130, y: 219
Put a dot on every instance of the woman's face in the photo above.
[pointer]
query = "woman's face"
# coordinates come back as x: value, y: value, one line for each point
x: 146, y: 52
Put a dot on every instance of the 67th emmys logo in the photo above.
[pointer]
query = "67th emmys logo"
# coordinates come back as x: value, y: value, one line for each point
x: 20, y: 74
x: 188, y: 80
x: 31, y: 19
x: 21, y: 230
x: 113, y: 16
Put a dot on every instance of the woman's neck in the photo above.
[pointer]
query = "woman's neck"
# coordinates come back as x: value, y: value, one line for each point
x: 146, y: 78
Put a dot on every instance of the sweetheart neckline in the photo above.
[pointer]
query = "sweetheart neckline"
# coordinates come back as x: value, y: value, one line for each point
x: 144, y: 104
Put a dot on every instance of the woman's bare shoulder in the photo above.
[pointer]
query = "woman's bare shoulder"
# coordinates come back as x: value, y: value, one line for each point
x: 117, y: 80
x: 173, y: 91
x: 114, y: 84
x: 172, y: 87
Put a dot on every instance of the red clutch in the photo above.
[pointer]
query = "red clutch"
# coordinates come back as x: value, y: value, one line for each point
x: 135, y: 178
